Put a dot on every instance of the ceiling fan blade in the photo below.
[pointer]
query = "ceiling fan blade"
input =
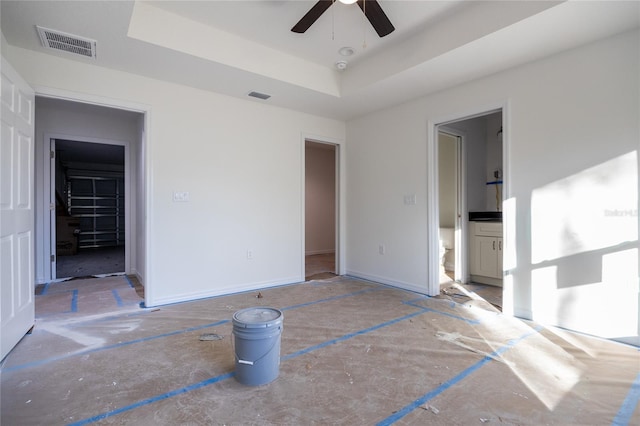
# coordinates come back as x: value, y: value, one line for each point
x: 312, y: 16
x: 374, y: 13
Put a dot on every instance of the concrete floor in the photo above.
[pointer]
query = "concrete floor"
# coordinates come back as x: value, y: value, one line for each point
x: 88, y: 262
x: 352, y: 352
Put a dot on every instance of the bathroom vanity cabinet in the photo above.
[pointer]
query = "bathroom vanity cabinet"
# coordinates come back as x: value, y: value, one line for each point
x: 485, y: 252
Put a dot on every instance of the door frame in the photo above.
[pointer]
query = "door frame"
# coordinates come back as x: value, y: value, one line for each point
x: 340, y: 191
x: 143, y: 173
x: 433, y: 231
x: 49, y: 199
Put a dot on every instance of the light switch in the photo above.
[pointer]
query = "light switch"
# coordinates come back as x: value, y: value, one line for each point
x: 410, y: 200
x: 180, y: 197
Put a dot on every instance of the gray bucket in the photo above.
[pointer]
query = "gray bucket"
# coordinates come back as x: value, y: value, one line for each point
x: 257, y: 345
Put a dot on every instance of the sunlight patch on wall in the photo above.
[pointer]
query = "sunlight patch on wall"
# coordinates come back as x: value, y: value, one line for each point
x: 602, y: 308
x: 590, y: 210
x: 508, y: 295
x: 544, y: 303
x: 510, y: 255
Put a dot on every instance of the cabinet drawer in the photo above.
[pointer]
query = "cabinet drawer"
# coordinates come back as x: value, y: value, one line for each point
x: 489, y: 229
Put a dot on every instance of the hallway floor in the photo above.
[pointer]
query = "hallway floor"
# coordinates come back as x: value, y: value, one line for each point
x: 318, y: 266
x: 89, y: 262
x: 352, y: 352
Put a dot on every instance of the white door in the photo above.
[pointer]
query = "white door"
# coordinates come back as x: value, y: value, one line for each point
x: 17, y: 310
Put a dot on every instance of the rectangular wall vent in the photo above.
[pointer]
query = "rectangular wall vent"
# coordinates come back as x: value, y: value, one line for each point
x: 259, y: 95
x: 57, y: 40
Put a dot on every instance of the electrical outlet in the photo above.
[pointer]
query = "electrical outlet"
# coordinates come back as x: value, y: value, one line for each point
x: 249, y: 254
x: 382, y: 249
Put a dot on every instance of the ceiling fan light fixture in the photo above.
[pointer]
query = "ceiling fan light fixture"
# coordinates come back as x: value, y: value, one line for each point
x: 347, y: 1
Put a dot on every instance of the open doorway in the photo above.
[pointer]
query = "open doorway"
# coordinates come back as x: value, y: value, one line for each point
x: 469, y: 217
x: 321, y: 207
x: 91, y: 157
x: 88, y: 182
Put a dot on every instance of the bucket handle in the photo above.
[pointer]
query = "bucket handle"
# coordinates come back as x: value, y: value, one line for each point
x: 246, y: 362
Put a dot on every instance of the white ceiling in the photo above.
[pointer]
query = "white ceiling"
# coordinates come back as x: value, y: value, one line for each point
x: 234, y: 47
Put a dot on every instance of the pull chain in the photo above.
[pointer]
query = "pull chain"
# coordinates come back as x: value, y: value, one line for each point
x: 364, y: 24
x: 333, y: 21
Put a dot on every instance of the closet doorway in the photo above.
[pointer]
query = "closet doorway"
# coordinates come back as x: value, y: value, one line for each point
x: 88, y: 189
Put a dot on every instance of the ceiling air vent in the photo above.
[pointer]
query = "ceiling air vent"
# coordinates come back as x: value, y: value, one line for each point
x: 58, y: 40
x: 259, y: 95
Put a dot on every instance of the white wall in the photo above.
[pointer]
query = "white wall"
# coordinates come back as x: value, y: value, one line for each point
x: 240, y: 161
x: 85, y: 122
x: 565, y: 115
x: 320, y: 198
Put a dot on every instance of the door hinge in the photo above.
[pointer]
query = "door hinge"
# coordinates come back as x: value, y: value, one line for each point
x: 52, y: 154
x: 53, y: 258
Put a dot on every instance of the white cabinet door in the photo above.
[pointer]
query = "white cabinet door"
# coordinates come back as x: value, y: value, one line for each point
x: 17, y: 311
x: 486, y: 256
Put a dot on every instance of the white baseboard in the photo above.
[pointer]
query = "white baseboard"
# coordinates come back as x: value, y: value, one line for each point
x: 188, y: 297
x: 387, y: 281
x: 312, y: 252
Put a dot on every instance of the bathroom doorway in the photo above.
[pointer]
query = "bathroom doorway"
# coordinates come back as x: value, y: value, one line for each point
x: 469, y: 153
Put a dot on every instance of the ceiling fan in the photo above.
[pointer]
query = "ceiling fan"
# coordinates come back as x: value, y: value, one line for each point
x: 371, y: 9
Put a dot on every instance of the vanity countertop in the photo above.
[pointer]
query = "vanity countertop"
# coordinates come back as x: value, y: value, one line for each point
x: 485, y: 216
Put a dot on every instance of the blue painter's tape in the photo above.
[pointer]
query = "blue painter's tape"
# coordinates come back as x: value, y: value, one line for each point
x: 53, y: 359
x: 354, y: 334
x: 117, y: 297
x: 154, y: 399
x: 446, y: 385
x: 45, y: 289
x: 629, y: 405
x: 109, y: 318
x: 118, y: 345
x: 329, y: 299
x: 229, y: 375
x: 74, y: 301
x: 128, y: 281
x: 467, y: 320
